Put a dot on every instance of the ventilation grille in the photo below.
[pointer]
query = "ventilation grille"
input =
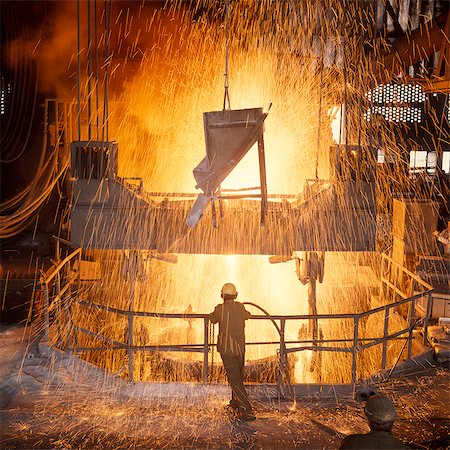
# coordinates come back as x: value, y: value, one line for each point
x: 397, y: 102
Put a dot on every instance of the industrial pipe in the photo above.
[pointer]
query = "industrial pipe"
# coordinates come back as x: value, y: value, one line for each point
x: 282, y: 345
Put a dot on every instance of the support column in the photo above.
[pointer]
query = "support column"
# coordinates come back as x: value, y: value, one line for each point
x: 262, y: 175
x: 387, y: 312
x: 67, y: 304
x: 132, y: 277
x: 310, y: 269
x: 355, y: 349
x: 312, y: 304
x: 205, y: 349
x: 46, y: 313
x: 282, y: 349
x: 58, y: 292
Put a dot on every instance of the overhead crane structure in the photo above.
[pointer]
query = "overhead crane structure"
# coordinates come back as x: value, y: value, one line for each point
x: 338, y: 214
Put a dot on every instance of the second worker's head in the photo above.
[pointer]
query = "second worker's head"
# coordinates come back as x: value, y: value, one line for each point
x: 380, y: 411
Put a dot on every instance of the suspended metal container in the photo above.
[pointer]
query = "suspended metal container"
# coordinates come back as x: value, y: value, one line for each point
x: 229, y: 135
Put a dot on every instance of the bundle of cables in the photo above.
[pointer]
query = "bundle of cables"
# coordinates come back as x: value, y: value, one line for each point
x: 19, y: 211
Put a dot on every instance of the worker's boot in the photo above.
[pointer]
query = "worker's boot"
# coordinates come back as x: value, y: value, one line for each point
x: 233, y: 409
x: 233, y: 404
x: 247, y: 416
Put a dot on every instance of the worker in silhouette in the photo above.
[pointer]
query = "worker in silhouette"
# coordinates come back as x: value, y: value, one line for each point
x: 381, y: 414
x: 231, y: 316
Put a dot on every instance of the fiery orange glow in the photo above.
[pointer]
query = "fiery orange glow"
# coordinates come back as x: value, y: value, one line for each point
x: 166, y: 69
x: 157, y: 119
x: 193, y: 286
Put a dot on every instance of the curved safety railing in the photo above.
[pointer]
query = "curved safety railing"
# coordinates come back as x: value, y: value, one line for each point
x: 59, y: 299
x: 353, y: 346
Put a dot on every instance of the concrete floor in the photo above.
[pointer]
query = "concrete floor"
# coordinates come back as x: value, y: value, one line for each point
x: 54, y: 401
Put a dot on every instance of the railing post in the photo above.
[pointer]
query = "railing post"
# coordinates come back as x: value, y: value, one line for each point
x: 79, y: 275
x: 58, y: 308
x: 385, y: 334
x: 427, y: 317
x: 46, y: 314
x: 282, y: 347
x: 130, y: 347
x: 58, y: 289
x: 65, y: 313
x: 395, y: 283
x: 412, y: 287
x: 68, y: 309
x: 411, y: 323
x: 205, y: 349
x: 132, y: 276
x: 355, y: 347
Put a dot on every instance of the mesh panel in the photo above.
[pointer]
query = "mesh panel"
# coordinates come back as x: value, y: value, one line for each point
x: 397, y: 102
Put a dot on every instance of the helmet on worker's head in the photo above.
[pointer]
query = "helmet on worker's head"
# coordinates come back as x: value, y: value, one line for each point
x: 380, y: 410
x: 229, y: 289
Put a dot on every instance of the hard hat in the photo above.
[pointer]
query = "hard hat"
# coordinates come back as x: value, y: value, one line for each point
x: 229, y: 289
x: 380, y: 409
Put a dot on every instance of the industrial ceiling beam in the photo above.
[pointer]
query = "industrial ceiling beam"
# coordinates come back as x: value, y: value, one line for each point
x: 394, y: 17
x: 411, y: 48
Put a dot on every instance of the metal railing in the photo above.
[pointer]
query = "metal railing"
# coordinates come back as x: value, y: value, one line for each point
x: 357, y: 342
x: 60, y: 293
x: 398, y: 280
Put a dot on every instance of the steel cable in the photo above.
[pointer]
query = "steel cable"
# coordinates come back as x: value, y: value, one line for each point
x: 226, y: 97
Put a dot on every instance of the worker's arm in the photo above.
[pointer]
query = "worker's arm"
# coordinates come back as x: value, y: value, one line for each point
x: 214, y: 317
x: 443, y: 239
x: 442, y: 236
x: 247, y: 314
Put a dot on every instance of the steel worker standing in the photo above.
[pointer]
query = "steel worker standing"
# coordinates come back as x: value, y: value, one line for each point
x: 231, y: 316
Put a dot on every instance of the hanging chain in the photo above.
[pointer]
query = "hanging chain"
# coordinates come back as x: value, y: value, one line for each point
x: 319, y: 122
x: 78, y: 72
x: 226, y: 97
